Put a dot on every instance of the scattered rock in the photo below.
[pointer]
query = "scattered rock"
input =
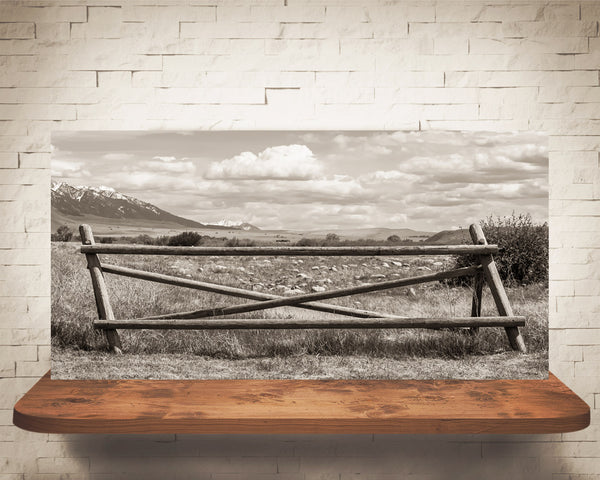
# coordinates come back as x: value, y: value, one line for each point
x: 318, y: 288
x: 385, y: 265
x: 293, y: 291
x: 303, y: 275
x: 333, y: 269
x: 411, y: 292
x: 378, y: 275
x: 314, y: 268
x: 438, y: 264
x: 424, y: 269
x: 397, y: 264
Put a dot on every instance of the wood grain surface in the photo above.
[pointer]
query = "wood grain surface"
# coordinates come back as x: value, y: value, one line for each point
x: 300, y: 406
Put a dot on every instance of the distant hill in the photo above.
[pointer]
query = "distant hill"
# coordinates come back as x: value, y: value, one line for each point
x: 108, y: 209
x: 450, y: 237
x: 372, y: 233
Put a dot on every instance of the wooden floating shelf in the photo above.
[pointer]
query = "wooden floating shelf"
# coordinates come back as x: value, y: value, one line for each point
x: 301, y: 406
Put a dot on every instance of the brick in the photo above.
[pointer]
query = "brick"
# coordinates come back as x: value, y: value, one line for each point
x: 463, y: 30
x: 520, y: 79
x: 49, y: 79
x: 48, y: 14
x: 547, y: 44
x: 409, y: 12
x: 563, y: 28
x: 17, y: 30
x: 432, y: 96
x: 32, y: 369
x: 311, y: 46
x: 345, y: 96
x: 55, y: 32
x: 34, y: 160
x: 231, y: 30
x: 9, y: 160
x: 447, y: 12
x: 329, y: 30
x: 572, y: 353
x: 212, y: 95
x: 161, y: 13
x: 286, y: 14
x: 450, y: 46
x: 24, y: 336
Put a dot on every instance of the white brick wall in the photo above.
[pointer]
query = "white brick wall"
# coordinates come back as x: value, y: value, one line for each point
x: 198, y: 64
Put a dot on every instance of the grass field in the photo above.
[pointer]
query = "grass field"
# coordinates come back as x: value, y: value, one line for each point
x: 78, y: 351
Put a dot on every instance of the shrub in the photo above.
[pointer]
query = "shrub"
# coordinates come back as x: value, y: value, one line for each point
x: 308, y: 242
x: 523, y: 259
x: 162, y: 240
x: 332, y: 238
x: 240, y: 242
x: 63, y: 234
x: 143, y: 239
x: 185, y: 239
x: 393, y: 239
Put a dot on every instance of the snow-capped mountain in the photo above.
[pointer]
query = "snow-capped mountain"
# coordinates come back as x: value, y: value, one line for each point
x: 233, y: 224
x: 76, y: 204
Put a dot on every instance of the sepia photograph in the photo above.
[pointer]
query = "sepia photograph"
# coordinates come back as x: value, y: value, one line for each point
x: 299, y: 255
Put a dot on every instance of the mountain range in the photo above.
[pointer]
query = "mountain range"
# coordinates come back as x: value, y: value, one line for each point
x: 72, y: 205
x: 112, y: 213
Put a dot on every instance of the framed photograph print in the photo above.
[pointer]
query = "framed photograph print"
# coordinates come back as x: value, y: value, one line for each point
x: 299, y: 255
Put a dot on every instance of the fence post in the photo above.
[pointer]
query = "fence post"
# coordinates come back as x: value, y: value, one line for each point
x: 477, y: 298
x: 105, y: 311
x: 492, y: 278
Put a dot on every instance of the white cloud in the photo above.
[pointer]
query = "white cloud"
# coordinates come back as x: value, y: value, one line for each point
x: 68, y: 168
x: 284, y: 162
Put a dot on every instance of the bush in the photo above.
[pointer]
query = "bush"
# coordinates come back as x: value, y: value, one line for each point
x: 332, y: 238
x: 63, y: 234
x: 308, y: 242
x: 393, y: 239
x: 240, y: 242
x: 185, y: 239
x: 523, y: 259
x: 143, y: 239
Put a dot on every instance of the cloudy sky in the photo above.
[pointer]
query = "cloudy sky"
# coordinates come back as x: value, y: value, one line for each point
x: 430, y: 180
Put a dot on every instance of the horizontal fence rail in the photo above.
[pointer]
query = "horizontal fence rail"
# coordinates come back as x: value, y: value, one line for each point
x: 279, y: 323
x: 292, y: 251
x: 233, y: 291
x: 343, y: 292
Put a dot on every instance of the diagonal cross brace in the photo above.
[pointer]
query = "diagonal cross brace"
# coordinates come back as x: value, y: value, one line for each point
x: 235, y: 292
x: 298, y: 299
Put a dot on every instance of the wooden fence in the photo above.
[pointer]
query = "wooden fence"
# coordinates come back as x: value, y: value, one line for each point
x: 483, y: 272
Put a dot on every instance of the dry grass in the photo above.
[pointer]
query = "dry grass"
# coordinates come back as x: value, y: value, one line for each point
x: 258, y: 354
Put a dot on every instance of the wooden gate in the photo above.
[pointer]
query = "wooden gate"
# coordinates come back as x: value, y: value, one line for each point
x: 484, y: 271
